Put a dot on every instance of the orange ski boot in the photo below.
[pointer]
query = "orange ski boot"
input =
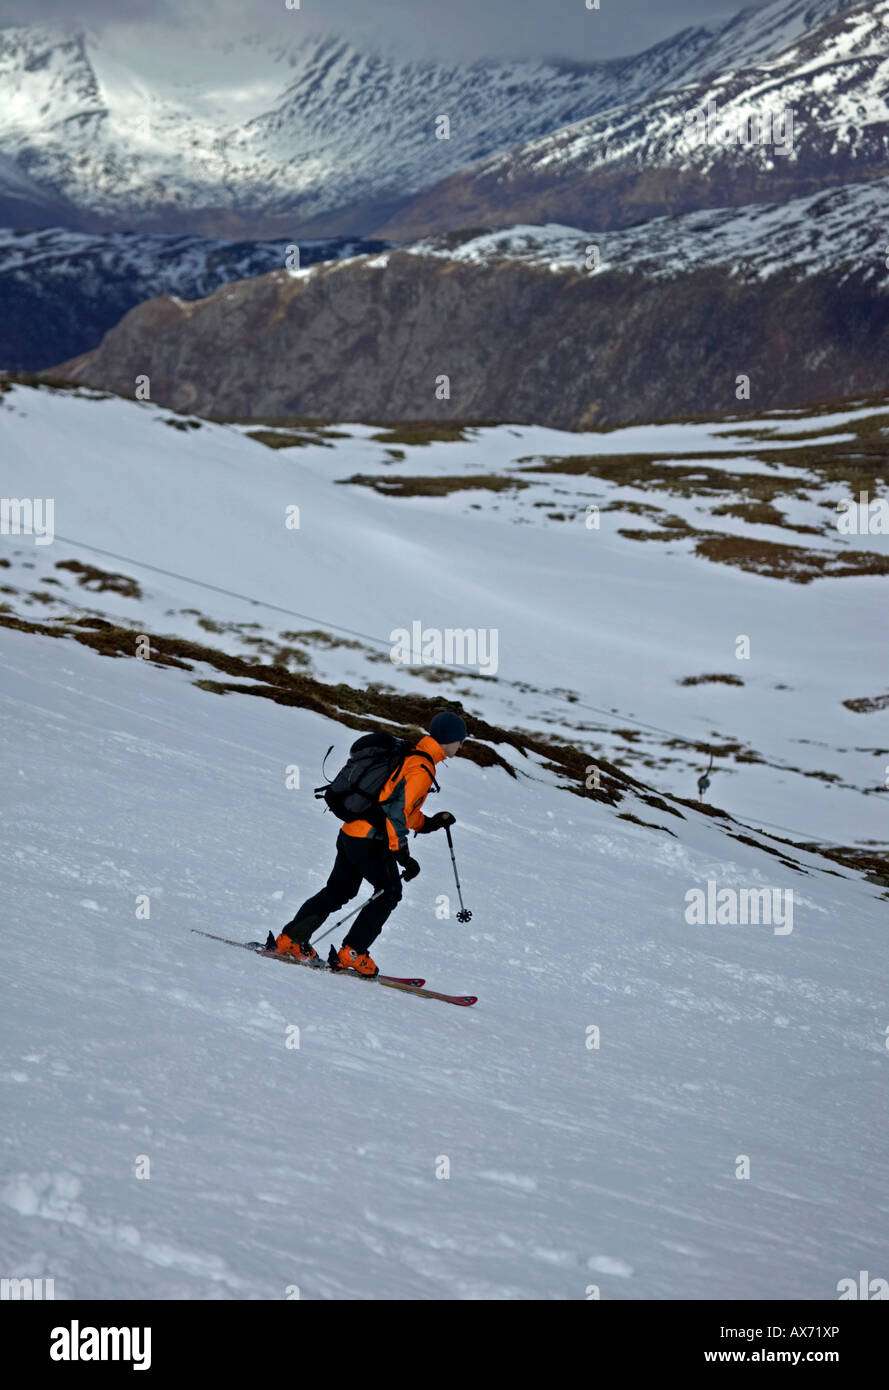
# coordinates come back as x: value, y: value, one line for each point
x: 350, y: 959
x: 300, y: 950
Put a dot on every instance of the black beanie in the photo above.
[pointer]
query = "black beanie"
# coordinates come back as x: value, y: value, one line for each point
x: 447, y: 728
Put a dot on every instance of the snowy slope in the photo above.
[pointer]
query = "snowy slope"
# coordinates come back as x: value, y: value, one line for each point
x: 188, y: 265
x: 14, y: 182
x: 24, y: 202
x: 272, y: 1167
x: 588, y: 620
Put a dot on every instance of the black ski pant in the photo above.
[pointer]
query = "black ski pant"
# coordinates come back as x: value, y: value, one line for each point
x: 356, y: 859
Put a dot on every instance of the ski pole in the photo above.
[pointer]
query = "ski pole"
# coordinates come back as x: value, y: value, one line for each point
x: 464, y: 915
x: 355, y: 910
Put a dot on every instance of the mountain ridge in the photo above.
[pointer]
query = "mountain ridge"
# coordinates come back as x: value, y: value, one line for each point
x: 794, y: 295
x: 326, y: 139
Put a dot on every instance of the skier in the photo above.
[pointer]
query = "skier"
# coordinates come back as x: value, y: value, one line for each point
x: 375, y: 852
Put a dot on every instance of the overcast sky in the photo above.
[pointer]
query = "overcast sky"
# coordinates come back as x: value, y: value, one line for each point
x: 449, y: 29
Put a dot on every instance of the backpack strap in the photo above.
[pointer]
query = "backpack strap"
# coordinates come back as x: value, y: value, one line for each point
x: 427, y: 757
x: 377, y: 816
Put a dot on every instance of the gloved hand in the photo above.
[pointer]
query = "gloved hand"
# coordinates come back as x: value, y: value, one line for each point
x: 436, y: 822
x: 410, y: 866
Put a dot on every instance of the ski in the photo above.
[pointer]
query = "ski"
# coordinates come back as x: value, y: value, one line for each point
x: 261, y: 949
x: 408, y: 985
x: 464, y: 999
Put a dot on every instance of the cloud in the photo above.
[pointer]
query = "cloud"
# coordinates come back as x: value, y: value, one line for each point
x: 88, y: 12
x: 459, y: 30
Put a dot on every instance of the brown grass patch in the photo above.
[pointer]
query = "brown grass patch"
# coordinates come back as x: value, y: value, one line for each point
x: 435, y: 487
x: 711, y: 680
x: 280, y: 439
x: 867, y: 704
x: 98, y: 581
x: 426, y: 432
x: 777, y: 561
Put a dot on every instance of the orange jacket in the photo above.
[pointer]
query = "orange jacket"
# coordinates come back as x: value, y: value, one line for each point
x: 402, y: 797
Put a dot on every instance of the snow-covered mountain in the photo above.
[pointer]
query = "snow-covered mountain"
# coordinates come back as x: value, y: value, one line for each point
x: 62, y: 290
x: 593, y: 1106
x: 812, y: 116
x: 322, y: 127
x: 292, y: 139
